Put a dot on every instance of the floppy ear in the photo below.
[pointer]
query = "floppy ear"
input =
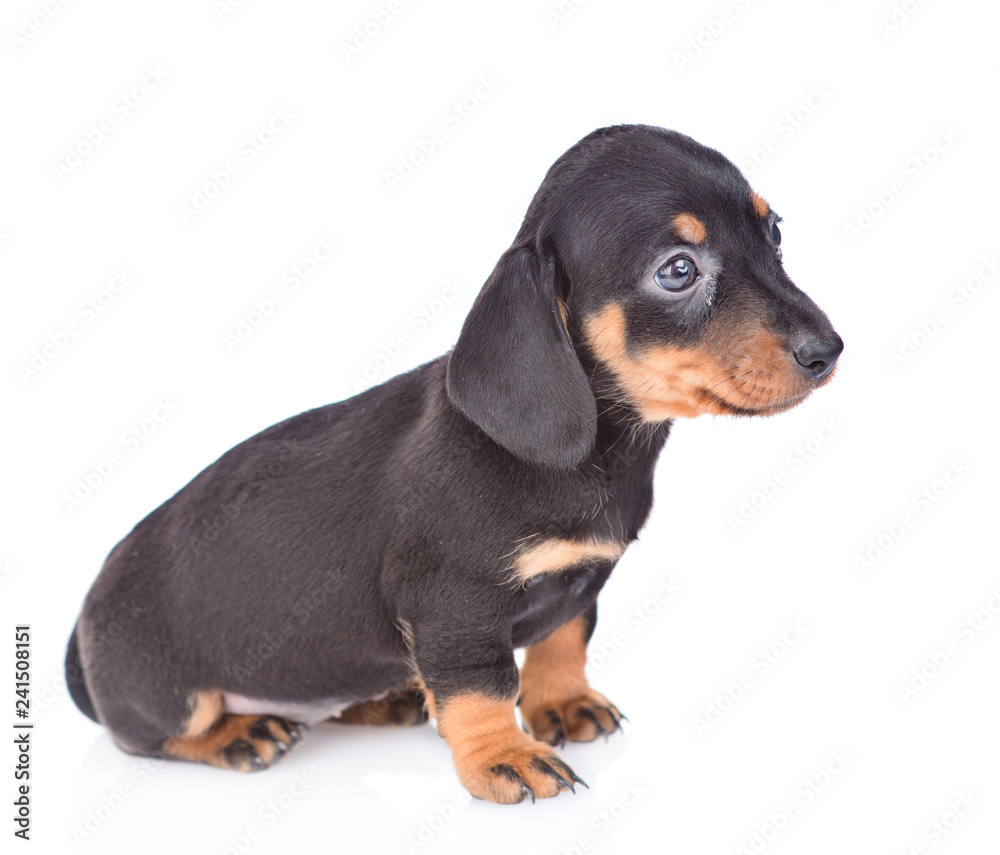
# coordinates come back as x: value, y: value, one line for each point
x: 514, y: 371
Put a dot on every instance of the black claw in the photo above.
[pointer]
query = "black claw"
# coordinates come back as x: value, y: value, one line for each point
x: 293, y: 729
x: 616, y: 721
x: 570, y: 773
x: 539, y: 764
x: 563, y: 783
x: 259, y: 730
x: 241, y: 751
x: 504, y: 770
x: 588, y: 713
x: 559, y: 736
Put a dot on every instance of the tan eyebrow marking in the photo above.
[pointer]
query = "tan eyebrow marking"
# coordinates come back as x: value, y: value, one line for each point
x: 689, y: 228
x: 759, y: 205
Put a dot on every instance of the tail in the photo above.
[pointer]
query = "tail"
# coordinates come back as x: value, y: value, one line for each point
x: 74, y: 679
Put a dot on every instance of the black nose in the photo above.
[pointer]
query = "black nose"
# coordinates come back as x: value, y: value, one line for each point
x: 816, y: 356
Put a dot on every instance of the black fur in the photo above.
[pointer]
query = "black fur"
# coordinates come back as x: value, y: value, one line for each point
x: 74, y: 679
x: 331, y: 555
x: 514, y: 371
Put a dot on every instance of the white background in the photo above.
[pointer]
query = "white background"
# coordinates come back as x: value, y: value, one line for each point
x: 851, y: 462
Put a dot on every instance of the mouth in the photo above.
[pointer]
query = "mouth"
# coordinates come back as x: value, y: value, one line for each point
x: 762, y: 399
x: 665, y: 382
x: 769, y: 407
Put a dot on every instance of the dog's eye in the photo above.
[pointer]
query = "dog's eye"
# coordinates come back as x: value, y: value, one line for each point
x: 677, y: 274
x: 775, y: 234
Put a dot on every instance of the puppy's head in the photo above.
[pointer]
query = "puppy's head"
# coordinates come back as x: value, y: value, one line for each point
x: 647, y: 273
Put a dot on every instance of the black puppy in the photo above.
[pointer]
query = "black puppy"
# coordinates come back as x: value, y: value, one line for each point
x: 389, y: 552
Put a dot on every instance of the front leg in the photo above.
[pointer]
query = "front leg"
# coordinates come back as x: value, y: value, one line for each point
x: 556, y: 702
x: 471, y: 684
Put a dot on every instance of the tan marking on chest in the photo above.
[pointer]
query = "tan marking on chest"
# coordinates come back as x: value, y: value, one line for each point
x: 550, y: 556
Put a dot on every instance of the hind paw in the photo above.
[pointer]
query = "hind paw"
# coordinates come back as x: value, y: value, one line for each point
x: 243, y: 743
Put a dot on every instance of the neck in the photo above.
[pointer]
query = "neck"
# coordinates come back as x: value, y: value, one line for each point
x: 624, y: 439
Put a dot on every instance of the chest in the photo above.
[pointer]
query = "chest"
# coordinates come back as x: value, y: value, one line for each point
x: 547, y: 600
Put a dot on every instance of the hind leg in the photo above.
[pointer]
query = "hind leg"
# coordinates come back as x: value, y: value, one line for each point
x: 243, y: 743
x: 400, y: 707
x: 556, y: 701
x: 204, y: 733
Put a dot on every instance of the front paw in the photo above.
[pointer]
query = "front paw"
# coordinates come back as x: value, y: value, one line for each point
x: 581, y: 717
x: 507, y: 773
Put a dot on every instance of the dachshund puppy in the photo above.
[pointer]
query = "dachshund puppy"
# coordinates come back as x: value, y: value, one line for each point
x: 386, y: 554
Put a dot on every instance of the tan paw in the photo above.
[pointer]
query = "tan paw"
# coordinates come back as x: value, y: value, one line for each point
x: 402, y: 707
x: 579, y: 718
x: 243, y: 743
x: 509, y: 773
